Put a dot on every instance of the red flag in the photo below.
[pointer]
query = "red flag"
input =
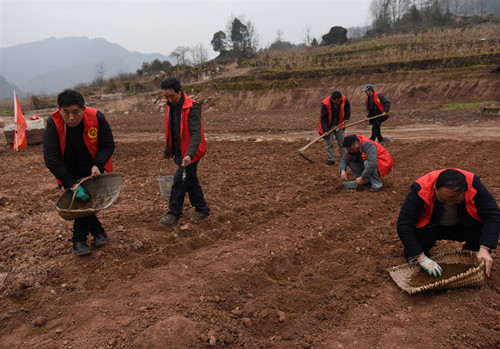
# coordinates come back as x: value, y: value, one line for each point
x: 20, y: 132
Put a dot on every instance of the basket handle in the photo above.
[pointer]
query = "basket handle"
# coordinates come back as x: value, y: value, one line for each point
x: 74, y: 196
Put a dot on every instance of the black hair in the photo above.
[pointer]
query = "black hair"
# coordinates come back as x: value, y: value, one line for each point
x: 70, y: 97
x: 350, y: 140
x: 453, y: 180
x: 336, y: 95
x: 171, y: 83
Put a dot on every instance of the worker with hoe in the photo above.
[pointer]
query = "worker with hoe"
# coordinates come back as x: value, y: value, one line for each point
x: 334, y: 111
x: 368, y: 160
x: 376, y: 104
x: 449, y: 204
x: 77, y: 143
x: 185, y: 142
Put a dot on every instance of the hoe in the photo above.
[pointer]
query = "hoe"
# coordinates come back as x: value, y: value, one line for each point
x: 301, y: 150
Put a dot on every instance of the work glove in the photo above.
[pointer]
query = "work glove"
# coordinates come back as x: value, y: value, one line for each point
x: 431, y: 267
x: 81, y: 193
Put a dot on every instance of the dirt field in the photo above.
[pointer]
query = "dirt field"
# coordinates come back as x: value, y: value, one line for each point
x: 287, y: 259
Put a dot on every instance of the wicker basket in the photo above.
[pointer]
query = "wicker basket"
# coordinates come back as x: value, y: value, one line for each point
x: 103, y: 190
x: 474, y: 276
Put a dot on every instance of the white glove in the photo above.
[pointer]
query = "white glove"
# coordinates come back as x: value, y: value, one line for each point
x: 431, y: 267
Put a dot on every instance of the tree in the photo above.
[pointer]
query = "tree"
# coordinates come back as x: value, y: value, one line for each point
x: 243, y: 37
x: 199, y: 54
x: 307, y: 36
x: 219, y: 42
x: 180, y: 54
x: 100, y: 74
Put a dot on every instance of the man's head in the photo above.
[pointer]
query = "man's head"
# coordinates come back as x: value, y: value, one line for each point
x: 351, y: 143
x: 336, y: 97
x: 71, y: 106
x: 172, y: 90
x: 368, y: 90
x: 450, y: 187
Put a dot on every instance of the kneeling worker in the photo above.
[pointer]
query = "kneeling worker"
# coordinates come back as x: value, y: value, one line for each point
x: 369, y: 161
x: 448, y: 204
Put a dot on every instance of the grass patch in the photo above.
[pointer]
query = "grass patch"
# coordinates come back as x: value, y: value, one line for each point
x: 466, y: 106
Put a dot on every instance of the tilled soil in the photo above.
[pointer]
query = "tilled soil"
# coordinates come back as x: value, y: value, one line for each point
x: 288, y: 258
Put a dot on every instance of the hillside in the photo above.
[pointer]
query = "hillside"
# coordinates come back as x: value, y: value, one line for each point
x: 288, y: 258
x: 51, y: 65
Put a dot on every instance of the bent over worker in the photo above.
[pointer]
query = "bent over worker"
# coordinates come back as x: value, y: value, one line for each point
x: 185, y: 142
x: 449, y: 204
x: 77, y: 143
x: 369, y: 161
x: 334, y: 111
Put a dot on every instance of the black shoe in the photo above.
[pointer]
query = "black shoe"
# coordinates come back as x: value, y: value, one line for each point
x: 198, y: 216
x: 376, y: 189
x: 99, y: 239
x: 80, y: 248
x: 169, y: 219
x: 330, y: 162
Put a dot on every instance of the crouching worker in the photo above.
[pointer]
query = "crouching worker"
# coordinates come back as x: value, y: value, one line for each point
x: 369, y: 161
x: 185, y: 142
x: 77, y: 143
x: 448, y: 204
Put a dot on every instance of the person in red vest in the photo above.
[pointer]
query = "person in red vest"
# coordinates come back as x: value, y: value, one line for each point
x: 376, y: 104
x: 369, y: 161
x: 449, y: 204
x: 334, y: 111
x: 185, y: 142
x: 77, y: 143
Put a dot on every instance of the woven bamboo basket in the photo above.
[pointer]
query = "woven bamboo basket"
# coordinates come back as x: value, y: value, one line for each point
x: 473, y: 277
x: 103, y: 190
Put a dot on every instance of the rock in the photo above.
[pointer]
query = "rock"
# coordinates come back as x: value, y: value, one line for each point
x: 59, y: 331
x: 39, y: 321
x: 246, y: 322
x: 34, y: 132
x: 184, y: 227
x: 281, y: 316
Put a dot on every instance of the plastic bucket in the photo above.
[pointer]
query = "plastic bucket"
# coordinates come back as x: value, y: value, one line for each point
x: 166, y: 183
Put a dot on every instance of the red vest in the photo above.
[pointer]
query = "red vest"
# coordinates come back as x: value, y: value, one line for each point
x: 90, y: 131
x: 384, y: 159
x: 184, y: 131
x: 326, y: 103
x: 428, y: 194
x: 377, y: 101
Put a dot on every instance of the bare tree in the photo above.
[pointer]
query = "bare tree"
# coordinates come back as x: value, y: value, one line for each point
x: 307, y: 36
x: 100, y: 73
x: 180, y: 54
x: 199, y: 54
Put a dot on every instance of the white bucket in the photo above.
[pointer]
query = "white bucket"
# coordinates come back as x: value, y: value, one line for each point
x: 166, y: 183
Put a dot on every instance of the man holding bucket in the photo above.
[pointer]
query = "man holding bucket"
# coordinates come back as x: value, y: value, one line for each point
x: 449, y: 204
x: 185, y: 142
x: 77, y: 143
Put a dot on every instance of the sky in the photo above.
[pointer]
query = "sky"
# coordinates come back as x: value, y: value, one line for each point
x: 160, y: 26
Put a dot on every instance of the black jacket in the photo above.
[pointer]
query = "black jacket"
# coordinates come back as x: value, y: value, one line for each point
x: 335, y: 115
x: 77, y: 161
x: 487, y: 209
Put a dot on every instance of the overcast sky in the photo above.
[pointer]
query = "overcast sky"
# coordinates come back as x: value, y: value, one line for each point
x: 159, y: 26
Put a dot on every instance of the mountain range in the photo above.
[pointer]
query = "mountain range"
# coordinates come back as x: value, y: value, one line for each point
x: 49, y: 66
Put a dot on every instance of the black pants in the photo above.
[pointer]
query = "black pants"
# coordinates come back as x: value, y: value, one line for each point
x: 429, y: 236
x: 376, y: 132
x: 83, y: 226
x: 191, y: 186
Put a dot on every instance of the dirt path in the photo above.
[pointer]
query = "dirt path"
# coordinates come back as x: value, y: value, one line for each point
x: 287, y: 258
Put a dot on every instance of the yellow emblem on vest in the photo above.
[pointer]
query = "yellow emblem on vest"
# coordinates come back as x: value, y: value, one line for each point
x: 363, y: 156
x: 92, y: 132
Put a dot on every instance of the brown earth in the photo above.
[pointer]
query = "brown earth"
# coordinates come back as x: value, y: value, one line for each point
x: 287, y: 258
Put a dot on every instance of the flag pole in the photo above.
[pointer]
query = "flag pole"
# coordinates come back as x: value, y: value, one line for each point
x: 15, y: 121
